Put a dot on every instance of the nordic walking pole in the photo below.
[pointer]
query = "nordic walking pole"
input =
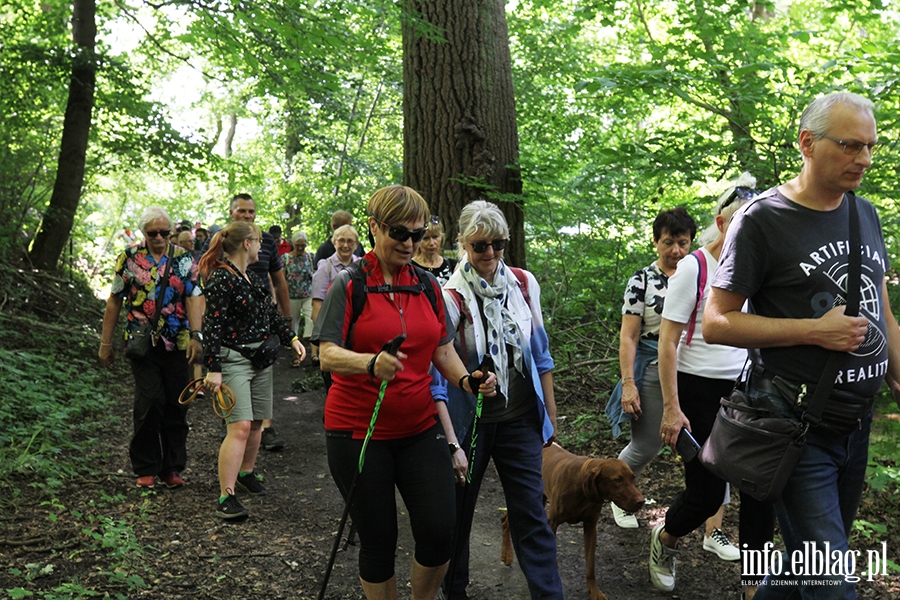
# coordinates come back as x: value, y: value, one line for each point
x: 487, y: 364
x: 391, y: 348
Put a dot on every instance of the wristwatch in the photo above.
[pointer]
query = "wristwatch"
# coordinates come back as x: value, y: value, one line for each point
x: 196, y: 335
x: 454, y: 448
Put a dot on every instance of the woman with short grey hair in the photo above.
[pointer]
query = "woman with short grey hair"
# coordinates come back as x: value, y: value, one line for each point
x: 497, y: 311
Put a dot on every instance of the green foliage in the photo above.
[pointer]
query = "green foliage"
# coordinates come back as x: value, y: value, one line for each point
x: 49, y: 412
x: 883, y: 472
x: 580, y: 431
x: 308, y: 382
x: 128, y: 128
x: 116, y: 537
x: 112, y: 538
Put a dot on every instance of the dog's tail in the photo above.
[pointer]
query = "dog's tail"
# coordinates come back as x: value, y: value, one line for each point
x: 506, y: 549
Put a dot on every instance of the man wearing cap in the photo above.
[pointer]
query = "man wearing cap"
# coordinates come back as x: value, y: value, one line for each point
x: 282, y: 244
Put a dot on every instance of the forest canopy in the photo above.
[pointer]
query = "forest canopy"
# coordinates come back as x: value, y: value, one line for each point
x: 622, y: 109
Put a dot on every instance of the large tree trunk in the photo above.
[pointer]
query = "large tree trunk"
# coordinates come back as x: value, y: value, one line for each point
x: 460, y: 137
x: 60, y: 215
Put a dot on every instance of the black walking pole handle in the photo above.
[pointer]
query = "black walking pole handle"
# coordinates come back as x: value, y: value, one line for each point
x: 486, y: 366
x: 393, y: 346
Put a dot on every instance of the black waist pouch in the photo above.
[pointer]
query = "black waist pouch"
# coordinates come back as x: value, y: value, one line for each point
x: 264, y: 355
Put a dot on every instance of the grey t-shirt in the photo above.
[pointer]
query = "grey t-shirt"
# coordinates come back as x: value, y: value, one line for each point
x: 791, y: 262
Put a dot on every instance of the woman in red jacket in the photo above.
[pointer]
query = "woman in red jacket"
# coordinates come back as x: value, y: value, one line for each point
x: 413, y: 445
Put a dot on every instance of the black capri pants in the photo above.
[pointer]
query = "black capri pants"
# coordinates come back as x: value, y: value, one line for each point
x: 420, y: 468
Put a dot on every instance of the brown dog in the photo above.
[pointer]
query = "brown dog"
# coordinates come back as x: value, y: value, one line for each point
x: 575, y: 490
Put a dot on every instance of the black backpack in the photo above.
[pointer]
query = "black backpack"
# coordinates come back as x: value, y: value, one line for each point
x: 359, y: 289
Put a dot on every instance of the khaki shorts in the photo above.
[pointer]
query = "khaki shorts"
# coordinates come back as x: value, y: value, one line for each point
x: 252, y: 388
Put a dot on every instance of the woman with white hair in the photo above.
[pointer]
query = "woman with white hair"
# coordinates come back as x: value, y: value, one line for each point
x: 497, y: 310
x: 694, y: 376
x: 345, y: 240
x: 298, y: 269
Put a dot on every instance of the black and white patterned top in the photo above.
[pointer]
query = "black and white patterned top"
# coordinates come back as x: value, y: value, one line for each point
x: 645, y: 297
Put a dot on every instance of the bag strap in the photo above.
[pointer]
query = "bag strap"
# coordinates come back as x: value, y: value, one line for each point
x: 161, y: 290
x: 702, y: 275
x: 523, y: 283
x: 813, y: 414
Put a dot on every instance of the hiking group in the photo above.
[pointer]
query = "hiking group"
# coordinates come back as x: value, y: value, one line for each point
x: 437, y: 366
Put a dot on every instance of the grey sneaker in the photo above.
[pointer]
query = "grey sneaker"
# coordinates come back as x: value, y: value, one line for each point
x: 270, y: 441
x: 250, y: 483
x: 231, y: 509
x: 662, y: 562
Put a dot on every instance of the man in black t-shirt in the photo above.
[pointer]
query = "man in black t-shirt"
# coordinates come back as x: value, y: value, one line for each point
x: 268, y: 266
x: 787, y: 252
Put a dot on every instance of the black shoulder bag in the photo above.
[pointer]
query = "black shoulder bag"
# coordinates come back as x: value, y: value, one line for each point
x: 751, y: 445
x: 142, y: 338
x: 265, y: 354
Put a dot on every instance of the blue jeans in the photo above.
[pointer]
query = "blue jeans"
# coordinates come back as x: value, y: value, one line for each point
x: 515, y: 446
x: 818, y: 505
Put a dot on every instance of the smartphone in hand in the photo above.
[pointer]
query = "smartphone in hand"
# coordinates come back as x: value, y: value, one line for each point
x: 686, y: 445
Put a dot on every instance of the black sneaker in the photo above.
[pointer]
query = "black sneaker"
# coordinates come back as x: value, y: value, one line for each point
x: 231, y: 509
x: 250, y: 484
x: 270, y: 441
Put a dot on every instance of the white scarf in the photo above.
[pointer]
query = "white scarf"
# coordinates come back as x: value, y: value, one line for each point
x: 505, y: 311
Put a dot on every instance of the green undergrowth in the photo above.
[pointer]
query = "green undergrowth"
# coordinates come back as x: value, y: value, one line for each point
x: 55, y: 395
x: 49, y: 414
x: 55, y: 403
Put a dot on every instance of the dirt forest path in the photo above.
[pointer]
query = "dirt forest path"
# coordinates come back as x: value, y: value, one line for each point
x: 182, y: 551
x: 282, y: 550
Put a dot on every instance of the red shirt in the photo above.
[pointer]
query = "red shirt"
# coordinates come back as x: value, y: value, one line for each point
x: 284, y: 247
x: 408, y: 406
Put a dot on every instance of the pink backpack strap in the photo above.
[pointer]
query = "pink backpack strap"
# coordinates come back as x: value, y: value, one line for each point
x: 523, y: 283
x: 702, y: 276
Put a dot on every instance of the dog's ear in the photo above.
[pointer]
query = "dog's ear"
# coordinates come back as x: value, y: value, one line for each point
x: 592, y: 482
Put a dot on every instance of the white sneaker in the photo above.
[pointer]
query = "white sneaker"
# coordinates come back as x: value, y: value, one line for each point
x: 625, y: 520
x: 719, y: 545
x: 662, y: 562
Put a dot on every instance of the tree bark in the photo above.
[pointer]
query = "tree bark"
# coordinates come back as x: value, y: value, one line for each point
x: 460, y: 137
x: 56, y: 226
x: 229, y: 135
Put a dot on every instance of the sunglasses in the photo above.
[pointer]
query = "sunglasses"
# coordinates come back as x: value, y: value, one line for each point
x: 401, y: 234
x: 481, y: 247
x: 744, y: 193
x: 152, y: 234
